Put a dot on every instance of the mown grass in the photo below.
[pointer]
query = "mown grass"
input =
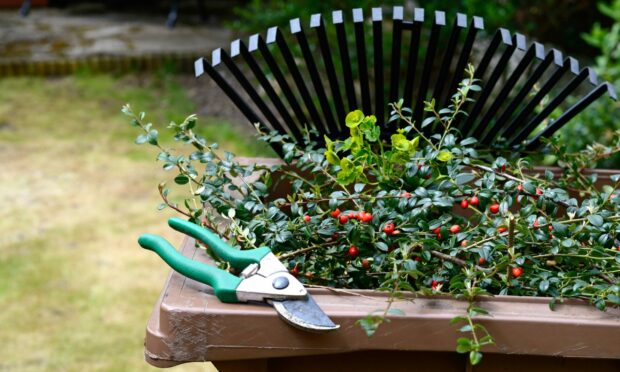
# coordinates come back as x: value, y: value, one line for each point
x: 76, y: 290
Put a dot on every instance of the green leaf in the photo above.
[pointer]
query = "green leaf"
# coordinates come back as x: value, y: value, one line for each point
x: 332, y: 158
x: 613, y: 299
x: 596, y: 220
x: 475, y: 357
x: 428, y: 121
x: 142, y: 138
x: 468, y: 141
x: 543, y: 286
x: 444, y: 156
x: 463, y: 345
x: 181, y: 179
x: 568, y: 243
x: 354, y: 118
x: 161, y: 206
x: 464, y: 178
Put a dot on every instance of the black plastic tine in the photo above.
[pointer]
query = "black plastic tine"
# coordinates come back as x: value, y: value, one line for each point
x: 239, y: 46
x: 489, y: 85
x: 247, y: 86
x: 531, y: 105
x: 377, y: 39
x: 397, y: 35
x: 440, y: 21
x: 275, y: 35
x: 476, y: 24
x: 279, y: 76
x: 360, y: 43
x: 535, y: 50
x: 489, y: 53
x: 345, y: 60
x: 501, y: 124
x: 316, y: 22
x: 315, y: 77
x: 548, y: 109
x: 575, y: 109
x: 459, y: 23
x: 202, y: 66
x: 412, y: 60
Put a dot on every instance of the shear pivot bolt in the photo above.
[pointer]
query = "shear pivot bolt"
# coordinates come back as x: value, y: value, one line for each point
x: 280, y: 282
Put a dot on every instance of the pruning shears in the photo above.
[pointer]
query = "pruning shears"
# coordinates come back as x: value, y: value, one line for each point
x: 263, y: 277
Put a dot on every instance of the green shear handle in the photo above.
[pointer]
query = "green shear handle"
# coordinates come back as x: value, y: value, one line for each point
x: 223, y: 283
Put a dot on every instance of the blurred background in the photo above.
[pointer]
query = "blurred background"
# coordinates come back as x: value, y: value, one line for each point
x: 76, y: 291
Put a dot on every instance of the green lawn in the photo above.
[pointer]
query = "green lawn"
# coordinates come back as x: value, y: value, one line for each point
x: 76, y: 290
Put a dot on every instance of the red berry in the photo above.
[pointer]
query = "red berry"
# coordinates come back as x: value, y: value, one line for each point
x: 336, y: 213
x: 437, y: 230
x: 503, y: 167
x: 455, y: 229
x: 309, y: 274
x: 343, y: 219
x: 335, y: 236
x: 539, y: 191
x: 464, y: 243
x: 502, y: 229
x: 434, y: 284
x: 535, y: 224
x: 406, y: 195
x: 494, y: 208
x: 517, y: 271
x: 294, y: 270
x: 481, y: 261
x: 418, y: 259
x: 464, y: 204
x: 550, y: 227
x: 307, y: 218
x: 519, y: 187
x: 396, y: 232
x: 618, y: 248
x: 367, y: 217
x: 352, y: 215
x: 474, y: 200
x: 365, y: 263
x: 388, y: 228
x: 420, y: 166
x: 353, y: 251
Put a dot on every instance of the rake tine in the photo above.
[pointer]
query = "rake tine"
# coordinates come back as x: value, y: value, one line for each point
x: 459, y: 23
x: 360, y: 42
x: 257, y: 40
x: 377, y: 38
x: 274, y: 35
x: 546, y: 88
x: 247, y: 86
x: 343, y: 48
x: 397, y: 34
x: 511, y: 44
x: 571, y: 112
x: 202, y: 66
x: 412, y: 60
x: 532, y: 51
x: 440, y: 21
x: 553, y: 55
x: 315, y: 77
x: 545, y: 112
x: 239, y: 46
x: 476, y: 24
x: 316, y: 22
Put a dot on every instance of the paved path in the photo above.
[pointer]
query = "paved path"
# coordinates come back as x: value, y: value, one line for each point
x: 49, y: 34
